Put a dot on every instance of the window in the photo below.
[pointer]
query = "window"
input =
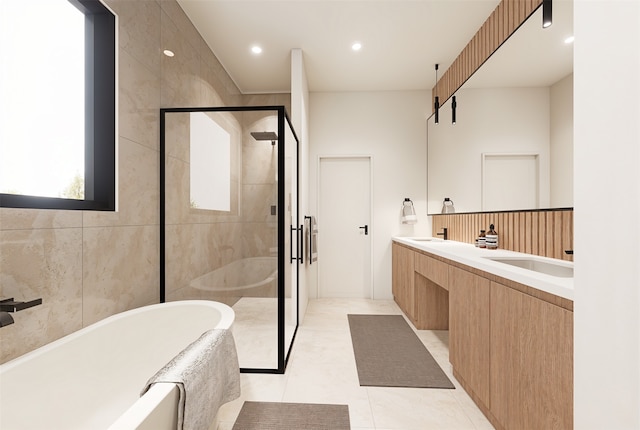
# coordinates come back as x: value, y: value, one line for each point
x: 57, y: 105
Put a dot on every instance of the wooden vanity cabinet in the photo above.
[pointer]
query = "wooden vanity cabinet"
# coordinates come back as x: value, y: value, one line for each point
x: 531, y: 361
x: 469, y: 332
x: 511, y: 346
x: 402, y: 276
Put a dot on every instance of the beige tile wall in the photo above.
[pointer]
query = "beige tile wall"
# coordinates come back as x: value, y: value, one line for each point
x: 198, y: 241
x: 89, y: 265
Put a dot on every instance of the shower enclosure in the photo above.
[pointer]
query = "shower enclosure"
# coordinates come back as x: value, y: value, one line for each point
x: 229, y: 227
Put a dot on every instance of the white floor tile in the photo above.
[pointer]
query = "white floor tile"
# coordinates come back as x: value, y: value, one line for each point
x: 322, y: 369
x: 417, y: 408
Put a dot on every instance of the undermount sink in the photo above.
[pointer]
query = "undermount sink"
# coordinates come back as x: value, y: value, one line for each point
x: 561, y: 270
x: 425, y: 239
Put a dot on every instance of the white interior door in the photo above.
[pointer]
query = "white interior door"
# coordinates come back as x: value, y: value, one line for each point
x: 344, y: 227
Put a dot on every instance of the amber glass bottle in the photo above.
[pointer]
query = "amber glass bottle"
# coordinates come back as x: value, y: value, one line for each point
x: 482, y: 239
x: 492, y: 238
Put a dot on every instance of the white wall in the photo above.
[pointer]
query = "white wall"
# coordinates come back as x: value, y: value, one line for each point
x: 391, y: 127
x: 607, y: 199
x: 300, y: 121
x: 489, y: 120
x: 561, y: 143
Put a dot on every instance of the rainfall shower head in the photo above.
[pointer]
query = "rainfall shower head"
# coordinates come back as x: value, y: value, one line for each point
x: 265, y: 135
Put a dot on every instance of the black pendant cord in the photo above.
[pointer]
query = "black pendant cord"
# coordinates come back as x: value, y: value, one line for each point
x: 437, y: 100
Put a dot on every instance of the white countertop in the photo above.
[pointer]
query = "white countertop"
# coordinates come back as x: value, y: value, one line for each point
x: 469, y: 255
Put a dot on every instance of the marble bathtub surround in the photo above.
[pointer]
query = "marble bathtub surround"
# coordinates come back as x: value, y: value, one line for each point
x: 123, y: 279
x: 41, y: 263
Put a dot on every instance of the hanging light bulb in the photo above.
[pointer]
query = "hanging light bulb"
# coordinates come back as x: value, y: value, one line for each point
x: 453, y: 110
x: 546, y: 13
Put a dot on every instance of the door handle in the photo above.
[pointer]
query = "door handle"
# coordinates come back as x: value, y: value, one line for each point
x: 366, y: 229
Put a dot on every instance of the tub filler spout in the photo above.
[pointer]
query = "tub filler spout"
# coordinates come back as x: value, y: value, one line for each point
x: 5, y: 319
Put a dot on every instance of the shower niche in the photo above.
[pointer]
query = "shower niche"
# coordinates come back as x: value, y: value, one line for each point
x: 229, y: 224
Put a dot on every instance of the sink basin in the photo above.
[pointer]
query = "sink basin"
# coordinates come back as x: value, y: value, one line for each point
x: 425, y: 239
x: 561, y: 270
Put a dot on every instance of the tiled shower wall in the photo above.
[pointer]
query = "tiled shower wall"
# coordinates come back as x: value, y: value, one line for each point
x: 540, y: 232
x: 90, y: 265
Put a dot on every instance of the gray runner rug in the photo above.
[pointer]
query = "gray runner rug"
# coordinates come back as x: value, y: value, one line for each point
x: 389, y: 354
x: 292, y: 416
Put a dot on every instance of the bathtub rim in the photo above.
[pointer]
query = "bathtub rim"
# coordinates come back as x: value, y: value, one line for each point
x: 227, y: 317
x: 157, y: 408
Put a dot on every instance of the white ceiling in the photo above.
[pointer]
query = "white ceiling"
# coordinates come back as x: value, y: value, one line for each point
x: 402, y: 40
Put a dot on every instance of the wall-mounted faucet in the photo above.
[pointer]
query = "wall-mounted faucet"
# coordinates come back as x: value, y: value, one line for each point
x: 444, y: 233
x: 10, y: 305
x: 5, y: 319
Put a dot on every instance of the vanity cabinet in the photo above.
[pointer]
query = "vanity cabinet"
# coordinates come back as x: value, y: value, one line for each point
x: 531, y: 361
x: 403, y: 269
x: 469, y: 331
x: 510, y: 345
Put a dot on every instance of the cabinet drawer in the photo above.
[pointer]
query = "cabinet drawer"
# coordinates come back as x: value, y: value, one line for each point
x: 432, y: 269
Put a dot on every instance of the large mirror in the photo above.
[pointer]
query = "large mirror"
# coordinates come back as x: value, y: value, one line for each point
x: 511, y: 147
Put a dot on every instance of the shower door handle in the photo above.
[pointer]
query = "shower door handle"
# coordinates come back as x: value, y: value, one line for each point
x: 366, y: 229
x: 296, y: 257
x: 291, y: 243
x: 301, y: 244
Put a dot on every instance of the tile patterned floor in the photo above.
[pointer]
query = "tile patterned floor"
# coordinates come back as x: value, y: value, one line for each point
x: 255, y: 330
x: 322, y: 370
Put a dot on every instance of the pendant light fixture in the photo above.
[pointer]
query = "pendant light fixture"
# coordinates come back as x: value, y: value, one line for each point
x: 453, y: 109
x: 546, y: 13
x: 437, y: 100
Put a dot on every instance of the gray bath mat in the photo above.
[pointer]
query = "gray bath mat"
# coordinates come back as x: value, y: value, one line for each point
x: 292, y: 416
x: 389, y: 354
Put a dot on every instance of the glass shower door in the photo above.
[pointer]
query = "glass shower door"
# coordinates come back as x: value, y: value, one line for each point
x: 294, y: 246
x: 229, y: 217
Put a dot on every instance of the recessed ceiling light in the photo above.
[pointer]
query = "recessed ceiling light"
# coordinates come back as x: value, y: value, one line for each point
x: 569, y: 39
x: 256, y: 49
x: 168, y: 53
x: 356, y: 46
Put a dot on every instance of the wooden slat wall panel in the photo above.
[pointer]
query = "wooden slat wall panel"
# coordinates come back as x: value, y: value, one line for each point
x: 501, y: 24
x: 547, y: 233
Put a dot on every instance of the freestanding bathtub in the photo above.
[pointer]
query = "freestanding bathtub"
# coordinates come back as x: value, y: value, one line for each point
x: 92, y: 379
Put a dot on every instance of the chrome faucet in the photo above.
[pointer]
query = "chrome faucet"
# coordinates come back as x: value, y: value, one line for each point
x: 444, y: 233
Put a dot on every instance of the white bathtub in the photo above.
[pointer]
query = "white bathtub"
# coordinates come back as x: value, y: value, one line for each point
x: 240, y: 276
x: 92, y: 379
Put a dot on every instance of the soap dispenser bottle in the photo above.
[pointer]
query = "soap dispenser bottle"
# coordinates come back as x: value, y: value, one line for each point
x: 492, y: 238
x: 482, y: 239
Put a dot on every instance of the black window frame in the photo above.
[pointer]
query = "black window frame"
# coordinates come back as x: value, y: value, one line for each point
x: 100, y: 118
